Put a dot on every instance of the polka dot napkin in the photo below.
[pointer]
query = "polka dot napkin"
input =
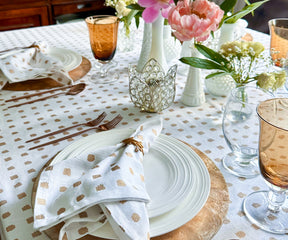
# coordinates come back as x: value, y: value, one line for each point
x: 31, y: 63
x: 105, y: 185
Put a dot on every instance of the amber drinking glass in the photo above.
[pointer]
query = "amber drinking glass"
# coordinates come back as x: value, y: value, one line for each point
x: 267, y: 209
x: 103, y: 32
x: 279, y: 43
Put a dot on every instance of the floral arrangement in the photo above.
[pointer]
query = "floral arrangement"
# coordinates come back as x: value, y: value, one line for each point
x: 244, y: 61
x: 192, y: 18
x: 195, y: 19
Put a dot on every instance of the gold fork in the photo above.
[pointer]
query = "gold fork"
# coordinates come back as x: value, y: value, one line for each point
x: 104, y: 127
x: 93, y: 123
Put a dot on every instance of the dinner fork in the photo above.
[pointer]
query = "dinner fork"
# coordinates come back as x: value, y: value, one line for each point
x: 91, y: 123
x: 104, y: 127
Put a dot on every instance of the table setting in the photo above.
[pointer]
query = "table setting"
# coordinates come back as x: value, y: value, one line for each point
x: 127, y: 145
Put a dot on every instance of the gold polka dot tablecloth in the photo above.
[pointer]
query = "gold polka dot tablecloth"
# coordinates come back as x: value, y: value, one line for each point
x: 198, y: 126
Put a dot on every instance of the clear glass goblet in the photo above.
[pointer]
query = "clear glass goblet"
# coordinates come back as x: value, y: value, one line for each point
x: 103, y: 33
x: 266, y: 208
x: 279, y: 43
x: 241, y: 130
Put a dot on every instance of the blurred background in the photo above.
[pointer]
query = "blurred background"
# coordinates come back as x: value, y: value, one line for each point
x: 269, y: 10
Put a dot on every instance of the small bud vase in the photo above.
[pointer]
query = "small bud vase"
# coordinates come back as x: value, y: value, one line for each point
x: 156, y: 46
x: 172, y: 46
x: 220, y: 85
x: 146, y: 46
x: 231, y: 31
x: 193, y: 94
x: 227, y: 33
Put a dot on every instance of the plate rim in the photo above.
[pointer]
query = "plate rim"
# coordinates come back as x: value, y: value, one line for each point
x: 75, y: 54
x: 180, y: 168
x: 183, y: 219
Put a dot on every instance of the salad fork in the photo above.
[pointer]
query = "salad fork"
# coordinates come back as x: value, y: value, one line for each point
x: 91, y: 123
x: 104, y: 127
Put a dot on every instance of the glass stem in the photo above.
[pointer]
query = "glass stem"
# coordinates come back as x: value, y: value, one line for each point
x: 276, y: 199
x: 103, y: 71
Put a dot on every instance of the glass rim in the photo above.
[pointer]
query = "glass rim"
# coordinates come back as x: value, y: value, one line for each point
x: 235, y: 90
x: 274, y: 20
x: 101, y: 16
x: 268, y: 122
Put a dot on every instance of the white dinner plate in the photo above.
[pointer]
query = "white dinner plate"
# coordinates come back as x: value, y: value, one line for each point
x: 69, y: 59
x: 173, y: 174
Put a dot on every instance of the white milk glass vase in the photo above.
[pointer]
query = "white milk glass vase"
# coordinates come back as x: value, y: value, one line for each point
x: 193, y: 94
x: 146, y: 46
x: 227, y: 33
x: 156, y: 46
x: 172, y: 47
x: 157, y: 50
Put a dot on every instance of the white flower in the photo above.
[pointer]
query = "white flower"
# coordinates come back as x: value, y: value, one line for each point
x: 120, y: 6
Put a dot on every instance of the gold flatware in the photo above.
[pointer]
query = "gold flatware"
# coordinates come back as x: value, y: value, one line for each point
x: 39, y: 93
x: 104, y: 127
x: 91, y: 123
x: 75, y: 89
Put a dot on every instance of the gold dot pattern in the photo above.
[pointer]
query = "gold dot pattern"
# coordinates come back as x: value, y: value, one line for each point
x: 22, y: 123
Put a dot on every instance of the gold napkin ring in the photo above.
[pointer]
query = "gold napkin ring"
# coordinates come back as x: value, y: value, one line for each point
x: 138, y: 145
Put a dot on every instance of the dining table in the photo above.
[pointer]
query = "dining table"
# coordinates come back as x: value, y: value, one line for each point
x: 199, y: 127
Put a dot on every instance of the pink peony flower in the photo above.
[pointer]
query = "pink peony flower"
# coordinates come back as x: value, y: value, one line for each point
x: 194, y: 20
x: 152, y: 8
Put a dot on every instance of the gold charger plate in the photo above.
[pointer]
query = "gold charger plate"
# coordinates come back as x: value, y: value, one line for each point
x: 47, y: 83
x: 203, y: 226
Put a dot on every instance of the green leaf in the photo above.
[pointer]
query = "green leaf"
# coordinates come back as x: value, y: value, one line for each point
x: 228, y: 5
x: 211, y: 54
x: 131, y: 15
x: 216, y: 74
x: 246, y: 10
x: 135, y: 7
x: 202, y: 63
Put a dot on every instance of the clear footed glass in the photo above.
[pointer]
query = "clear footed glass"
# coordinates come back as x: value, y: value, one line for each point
x: 152, y: 90
x: 241, y: 130
x: 267, y: 209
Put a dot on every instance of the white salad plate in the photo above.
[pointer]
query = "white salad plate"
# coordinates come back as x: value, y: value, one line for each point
x: 69, y: 59
x: 176, y: 178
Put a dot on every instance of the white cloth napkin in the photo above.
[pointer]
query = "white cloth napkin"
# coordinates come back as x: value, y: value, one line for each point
x: 104, y: 185
x: 31, y: 63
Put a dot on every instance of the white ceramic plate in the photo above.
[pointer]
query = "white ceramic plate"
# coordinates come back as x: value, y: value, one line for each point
x: 69, y: 59
x: 161, y: 166
x: 168, y: 165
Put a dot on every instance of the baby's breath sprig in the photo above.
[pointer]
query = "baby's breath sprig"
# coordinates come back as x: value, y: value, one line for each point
x: 244, y: 61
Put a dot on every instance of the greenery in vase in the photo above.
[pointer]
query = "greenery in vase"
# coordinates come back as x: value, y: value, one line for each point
x: 230, y: 16
x: 125, y: 12
x: 244, y: 61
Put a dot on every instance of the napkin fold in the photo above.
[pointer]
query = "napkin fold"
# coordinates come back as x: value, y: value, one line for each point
x: 107, y: 184
x: 31, y: 63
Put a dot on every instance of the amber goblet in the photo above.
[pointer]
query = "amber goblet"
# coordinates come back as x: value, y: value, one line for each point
x: 103, y: 32
x: 279, y: 43
x: 266, y: 209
